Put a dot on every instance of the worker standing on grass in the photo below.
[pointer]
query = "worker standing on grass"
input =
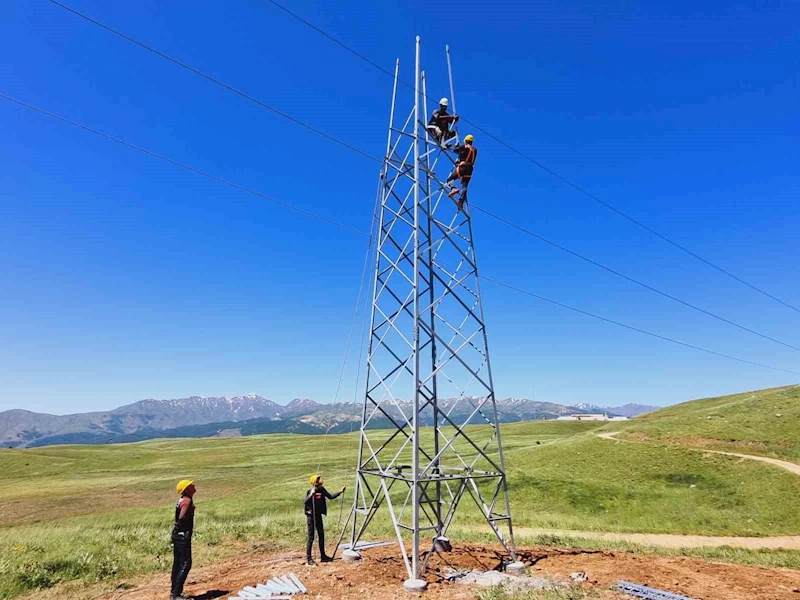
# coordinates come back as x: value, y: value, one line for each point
x: 315, y: 507
x: 464, y: 166
x: 440, y: 122
x: 182, y: 538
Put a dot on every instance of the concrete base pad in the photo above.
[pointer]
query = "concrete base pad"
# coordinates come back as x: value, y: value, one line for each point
x: 415, y: 585
x: 351, y: 555
x: 515, y: 568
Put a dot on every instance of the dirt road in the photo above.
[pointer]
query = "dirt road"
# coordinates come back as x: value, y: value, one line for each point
x: 787, y: 542
x: 783, y: 464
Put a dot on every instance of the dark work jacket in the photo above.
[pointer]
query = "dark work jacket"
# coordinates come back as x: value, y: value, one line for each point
x: 466, y: 154
x: 316, y: 503
x: 441, y: 119
x: 186, y: 524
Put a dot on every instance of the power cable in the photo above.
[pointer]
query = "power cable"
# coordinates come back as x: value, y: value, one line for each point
x: 362, y: 153
x: 543, y: 167
x: 184, y: 165
x: 347, y: 227
x: 215, y: 81
x: 631, y: 279
x: 346, y: 352
x: 632, y: 328
x: 361, y: 290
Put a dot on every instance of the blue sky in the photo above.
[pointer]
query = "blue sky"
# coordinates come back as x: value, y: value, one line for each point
x: 123, y: 277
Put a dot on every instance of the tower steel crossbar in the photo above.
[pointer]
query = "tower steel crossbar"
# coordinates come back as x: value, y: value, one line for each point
x: 429, y: 434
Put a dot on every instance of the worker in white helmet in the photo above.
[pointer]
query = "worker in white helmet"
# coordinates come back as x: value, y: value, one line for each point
x: 440, y: 122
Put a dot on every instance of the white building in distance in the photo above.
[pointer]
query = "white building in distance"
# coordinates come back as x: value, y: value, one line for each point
x: 590, y: 417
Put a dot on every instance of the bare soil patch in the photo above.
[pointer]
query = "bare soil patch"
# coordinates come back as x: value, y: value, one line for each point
x: 380, y: 575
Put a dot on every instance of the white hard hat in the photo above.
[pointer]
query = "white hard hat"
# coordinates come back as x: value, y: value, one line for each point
x: 443, y: 101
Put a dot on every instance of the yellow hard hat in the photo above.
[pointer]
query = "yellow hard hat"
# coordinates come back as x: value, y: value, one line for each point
x: 313, y: 479
x: 469, y: 138
x: 183, y: 484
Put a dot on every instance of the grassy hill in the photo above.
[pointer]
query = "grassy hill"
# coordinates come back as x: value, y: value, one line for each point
x: 94, y: 513
x: 764, y: 422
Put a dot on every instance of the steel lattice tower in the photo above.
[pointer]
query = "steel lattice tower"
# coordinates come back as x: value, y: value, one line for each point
x: 429, y: 432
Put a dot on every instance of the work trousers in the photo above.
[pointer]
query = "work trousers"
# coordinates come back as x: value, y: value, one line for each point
x: 439, y: 135
x: 462, y: 171
x: 315, y: 521
x: 181, y: 561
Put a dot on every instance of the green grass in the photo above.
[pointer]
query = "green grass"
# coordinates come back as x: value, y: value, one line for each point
x: 572, y: 593
x: 764, y: 422
x: 558, y: 593
x: 587, y: 483
x: 103, y: 513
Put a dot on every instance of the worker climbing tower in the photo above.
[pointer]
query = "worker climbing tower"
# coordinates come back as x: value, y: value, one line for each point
x: 429, y: 434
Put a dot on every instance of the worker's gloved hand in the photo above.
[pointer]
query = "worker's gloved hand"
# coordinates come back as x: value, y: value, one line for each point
x: 343, y: 489
x: 457, y: 118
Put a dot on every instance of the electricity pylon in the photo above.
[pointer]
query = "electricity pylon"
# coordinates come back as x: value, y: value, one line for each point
x: 429, y: 433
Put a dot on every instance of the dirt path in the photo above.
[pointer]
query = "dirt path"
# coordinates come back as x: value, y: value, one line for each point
x: 783, y: 464
x: 380, y: 574
x: 786, y: 542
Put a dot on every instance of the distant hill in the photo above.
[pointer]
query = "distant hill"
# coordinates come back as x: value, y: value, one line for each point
x: 200, y: 416
x: 626, y: 410
x: 26, y: 428
x: 760, y: 422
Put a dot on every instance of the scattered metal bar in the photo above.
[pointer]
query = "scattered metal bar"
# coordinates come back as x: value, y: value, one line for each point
x: 366, y: 545
x: 284, y: 587
x: 648, y: 593
x: 275, y: 586
x: 290, y: 584
x: 279, y: 584
x: 297, y: 583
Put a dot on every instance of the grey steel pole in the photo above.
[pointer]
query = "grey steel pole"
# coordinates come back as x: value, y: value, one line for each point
x: 415, y: 450
x: 432, y: 298
x: 450, y: 75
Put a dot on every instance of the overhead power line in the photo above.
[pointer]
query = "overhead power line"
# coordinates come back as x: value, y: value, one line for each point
x: 366, y: 234
x: 242, y: 188
x: 367, y: 155
x: 631, y: 279
x: 544, y: 167
x: 632, y: 328
x: 216, y: 81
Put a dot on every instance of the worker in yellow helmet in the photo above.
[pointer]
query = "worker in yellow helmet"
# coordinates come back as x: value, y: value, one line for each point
x: 467, y: 153
x: 316, y: 506
x: 182, y: 537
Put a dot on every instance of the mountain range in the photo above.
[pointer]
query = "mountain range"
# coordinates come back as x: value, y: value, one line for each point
x: 201, y: 416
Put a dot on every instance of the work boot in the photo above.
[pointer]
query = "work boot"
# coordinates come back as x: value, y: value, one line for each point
x: 460, y: 203
x: 326, y: 559
x: 452, y: 193
x: 310, y: 562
